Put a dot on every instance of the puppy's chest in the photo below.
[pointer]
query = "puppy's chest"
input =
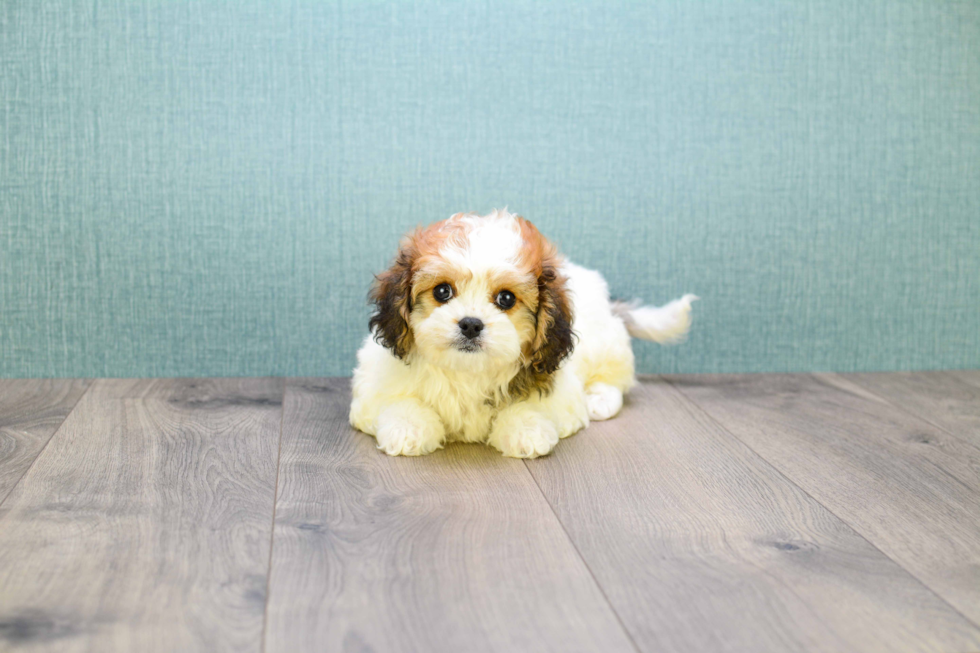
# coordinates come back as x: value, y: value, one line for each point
x: 463, y: 407
x: 466, y: 402
x: 467, y: 419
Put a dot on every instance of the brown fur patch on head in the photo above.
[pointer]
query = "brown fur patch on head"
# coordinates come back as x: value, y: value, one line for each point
x: 553, y: 339
x: 392, y: 292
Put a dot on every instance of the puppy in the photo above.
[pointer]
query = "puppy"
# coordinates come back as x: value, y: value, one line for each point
x: 482, y: 332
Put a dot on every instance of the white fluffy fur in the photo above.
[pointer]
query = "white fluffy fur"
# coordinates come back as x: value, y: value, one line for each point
x: 439, y: 394
x: 666, y: 324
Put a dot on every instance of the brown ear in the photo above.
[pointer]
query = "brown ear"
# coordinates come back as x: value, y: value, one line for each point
x: 554, y: 339
x: 392, y: 298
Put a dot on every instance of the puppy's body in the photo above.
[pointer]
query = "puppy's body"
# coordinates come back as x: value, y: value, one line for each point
x: 529, y: 374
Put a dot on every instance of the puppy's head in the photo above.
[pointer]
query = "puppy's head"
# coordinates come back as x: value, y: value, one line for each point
x: 480, y: 294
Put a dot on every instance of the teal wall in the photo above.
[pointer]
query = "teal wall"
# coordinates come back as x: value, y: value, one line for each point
x: 204, y: 187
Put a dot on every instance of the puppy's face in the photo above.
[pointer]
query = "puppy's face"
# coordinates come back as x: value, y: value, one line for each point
x: 472, y: 293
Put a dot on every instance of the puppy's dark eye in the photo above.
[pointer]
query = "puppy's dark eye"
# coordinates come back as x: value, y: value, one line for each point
x: 443, y: 293
x: 506, y: 300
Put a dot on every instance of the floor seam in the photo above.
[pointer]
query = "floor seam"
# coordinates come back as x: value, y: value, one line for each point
x: 585, y: 563
x: 272, y: 534
x: 853, y: 528
x: 48, y: 441
x: 905, y: 410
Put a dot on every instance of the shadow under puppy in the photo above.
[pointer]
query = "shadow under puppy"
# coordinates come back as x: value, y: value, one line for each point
x: 482, y: 332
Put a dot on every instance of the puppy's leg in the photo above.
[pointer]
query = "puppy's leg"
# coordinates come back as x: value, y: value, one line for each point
x: 407, y: 428
x: 522, y: 431
x: 604, y: 401
x: 532, y: 428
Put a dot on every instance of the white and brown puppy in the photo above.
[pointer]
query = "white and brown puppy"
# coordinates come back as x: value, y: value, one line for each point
x: 482, y: 332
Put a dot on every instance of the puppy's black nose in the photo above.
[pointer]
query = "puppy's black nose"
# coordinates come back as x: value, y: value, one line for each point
x: 471, y: 327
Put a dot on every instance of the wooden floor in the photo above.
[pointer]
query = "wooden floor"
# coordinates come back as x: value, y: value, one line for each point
x: 716, y: 513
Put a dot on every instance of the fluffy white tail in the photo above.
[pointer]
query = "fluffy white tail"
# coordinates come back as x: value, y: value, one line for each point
x: 666, y: 324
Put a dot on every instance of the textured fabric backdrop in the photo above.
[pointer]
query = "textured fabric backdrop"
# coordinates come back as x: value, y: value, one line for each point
x: 205, y: 187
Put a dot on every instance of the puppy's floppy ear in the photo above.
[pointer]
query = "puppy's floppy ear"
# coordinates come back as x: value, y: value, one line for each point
x: 553, y: 336
x: 554, y: 339
x: 392, y: 298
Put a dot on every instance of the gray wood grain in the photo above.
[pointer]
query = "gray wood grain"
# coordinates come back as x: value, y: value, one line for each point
x: 950, y: 400
x: 455, y: 551
x: 911, y: 489
x: 971, y: 377
x: 145, y: 523
x: 700, y: 545
x: 30, y: 412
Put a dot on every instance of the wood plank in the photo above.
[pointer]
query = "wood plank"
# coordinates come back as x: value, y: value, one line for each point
x: 971, y: 377
x: 908, y: 487
x: 455, y: 551
x: 700, y: 545
x: 950, y: 400
x: 31, y: 410
x: 145, y: 523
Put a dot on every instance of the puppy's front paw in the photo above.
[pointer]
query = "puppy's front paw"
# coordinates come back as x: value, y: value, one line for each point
x: 407, y: 440
x: 523, y: 435
x: 409, y: 431
x: 603, y: 401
